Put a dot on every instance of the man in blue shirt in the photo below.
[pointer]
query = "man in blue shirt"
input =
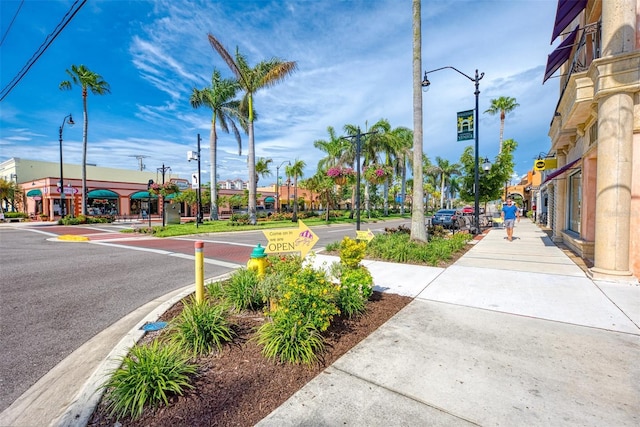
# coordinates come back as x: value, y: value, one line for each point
x: 510, y: 213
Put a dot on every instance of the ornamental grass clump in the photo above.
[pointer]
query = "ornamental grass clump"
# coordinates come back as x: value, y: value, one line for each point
x: 243, y: 290
x: 201, y: 328
x: 149, y: 374
x: 290, y: 338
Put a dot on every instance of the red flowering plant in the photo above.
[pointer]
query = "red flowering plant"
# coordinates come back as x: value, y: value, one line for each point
x: 340, y: 174
x: 164, y: 189
x: 377, y: 174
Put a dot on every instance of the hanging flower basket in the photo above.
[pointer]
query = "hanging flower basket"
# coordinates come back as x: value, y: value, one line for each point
x: 340, y: 175
x: 377, y: 174
x: 164, y: 189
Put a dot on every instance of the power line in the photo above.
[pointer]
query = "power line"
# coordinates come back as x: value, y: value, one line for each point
x: 11, y: 23
x: 43, y: 47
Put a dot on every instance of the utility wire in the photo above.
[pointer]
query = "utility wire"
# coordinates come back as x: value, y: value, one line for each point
x: 43, y: 47
x: 11, y: 23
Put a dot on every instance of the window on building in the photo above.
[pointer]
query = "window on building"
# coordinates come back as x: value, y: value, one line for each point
x: 575, y: 197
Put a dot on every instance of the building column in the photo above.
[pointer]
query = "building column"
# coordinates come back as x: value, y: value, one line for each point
x: 615, y: 137
x: 560, y: 200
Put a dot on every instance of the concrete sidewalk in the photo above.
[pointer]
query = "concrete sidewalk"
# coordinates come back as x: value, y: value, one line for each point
x: 513, y: 333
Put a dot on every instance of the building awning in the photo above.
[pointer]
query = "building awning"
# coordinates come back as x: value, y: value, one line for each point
x: 102, y: 194
x: 142, y: 195
x: 565, y: 13
x: 561, y: 170
x: 269, y: 200
x: 33, y: 193
x: 560, y: 55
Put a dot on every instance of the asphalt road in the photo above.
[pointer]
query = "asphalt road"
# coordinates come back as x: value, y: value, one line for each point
x: 57, y: 295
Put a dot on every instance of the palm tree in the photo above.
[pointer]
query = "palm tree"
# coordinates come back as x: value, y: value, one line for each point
x: 503, y: 105
x: 418, y: 229
x: 8, y: 192
x: 264, y: 74
x: 335, y: 148
x: 225, y: 111
x: 262, y: 168
x: 88, y: 81
x: 444, y: 170
x: 296, y: 170
x: 404, y: 142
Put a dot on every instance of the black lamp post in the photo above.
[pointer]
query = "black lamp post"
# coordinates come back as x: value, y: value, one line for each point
x: 196, y: 156
x: 476, y: 80
x: 358, y: 138
x: 164, y: 169
x: 67, y: 119
x: 278, y: 184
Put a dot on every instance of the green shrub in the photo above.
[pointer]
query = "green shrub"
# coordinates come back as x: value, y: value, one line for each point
x: 332, y: 247
x: 146, y: 377
x: 216, y: 290
x: 356, y: 287
x: 242, y: 291
x: 200, y: 328
x: 351, y: 252
x: 398, y: 247
x: 309, y: 293
x: 290, y: 338
x: 15, y: 215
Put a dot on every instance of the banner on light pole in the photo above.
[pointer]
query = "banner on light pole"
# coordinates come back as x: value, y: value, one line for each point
x: 466, y: 125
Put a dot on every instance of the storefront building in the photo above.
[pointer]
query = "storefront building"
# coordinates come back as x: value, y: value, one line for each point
x: 109, y: 191
x: 593, y: 197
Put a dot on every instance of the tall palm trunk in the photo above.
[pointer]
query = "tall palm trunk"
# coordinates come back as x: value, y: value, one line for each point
x: 403, y: 188
x: 85, y: 131
x: 418, y: 229
x: 251, y: 163
x: 502, y: 116
x: 213, y: 149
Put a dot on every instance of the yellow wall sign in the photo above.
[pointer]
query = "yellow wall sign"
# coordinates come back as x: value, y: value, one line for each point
x: 544, y: 164
x: 364, y: 235
x: 300, y: 240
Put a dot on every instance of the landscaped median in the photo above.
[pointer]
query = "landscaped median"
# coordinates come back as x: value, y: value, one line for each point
x: 72, y: 238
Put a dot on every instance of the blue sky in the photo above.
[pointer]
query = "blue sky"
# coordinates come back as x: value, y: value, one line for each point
x: 354, y: 67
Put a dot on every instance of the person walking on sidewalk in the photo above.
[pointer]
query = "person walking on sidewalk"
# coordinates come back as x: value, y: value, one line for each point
x: 510, y: 213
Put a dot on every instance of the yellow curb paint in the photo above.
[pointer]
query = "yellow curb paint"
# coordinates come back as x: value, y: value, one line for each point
x: 72, y: 238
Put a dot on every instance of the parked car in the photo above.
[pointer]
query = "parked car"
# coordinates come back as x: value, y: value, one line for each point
x: 468, y: 210
x: 448, y: 218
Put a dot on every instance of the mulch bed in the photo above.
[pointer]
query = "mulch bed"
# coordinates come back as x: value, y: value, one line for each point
x: 239, y: 387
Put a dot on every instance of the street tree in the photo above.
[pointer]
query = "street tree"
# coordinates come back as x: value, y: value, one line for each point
x: 251, y: 79
x: 503, y: 106
x: 225, y: 112
x: 88, y: 81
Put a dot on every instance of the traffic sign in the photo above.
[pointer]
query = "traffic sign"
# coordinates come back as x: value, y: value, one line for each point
x: 194, y: 181
x: 364, y: 235
x: 300, y: 240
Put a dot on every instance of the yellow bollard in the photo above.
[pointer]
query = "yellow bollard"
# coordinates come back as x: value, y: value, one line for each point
x: 199, y: 271
x: 258, y: 260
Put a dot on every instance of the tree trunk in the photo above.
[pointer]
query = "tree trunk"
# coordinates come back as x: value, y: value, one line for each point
x: 418, y: 228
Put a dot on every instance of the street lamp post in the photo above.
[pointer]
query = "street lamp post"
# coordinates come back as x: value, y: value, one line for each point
x: 196, y: 156
x: 358, y: 137
x: 278, y: 184
x: 164, y: 169
x: 476, y: 80
x: 67, y: 119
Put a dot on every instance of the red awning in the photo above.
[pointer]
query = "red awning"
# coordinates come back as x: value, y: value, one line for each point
x: 560, y: 55
x: 565, y: 13
x: 561, y: 170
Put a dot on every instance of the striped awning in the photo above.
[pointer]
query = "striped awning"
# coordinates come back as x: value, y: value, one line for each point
x: 565, y: 13
x: 560, y: 55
